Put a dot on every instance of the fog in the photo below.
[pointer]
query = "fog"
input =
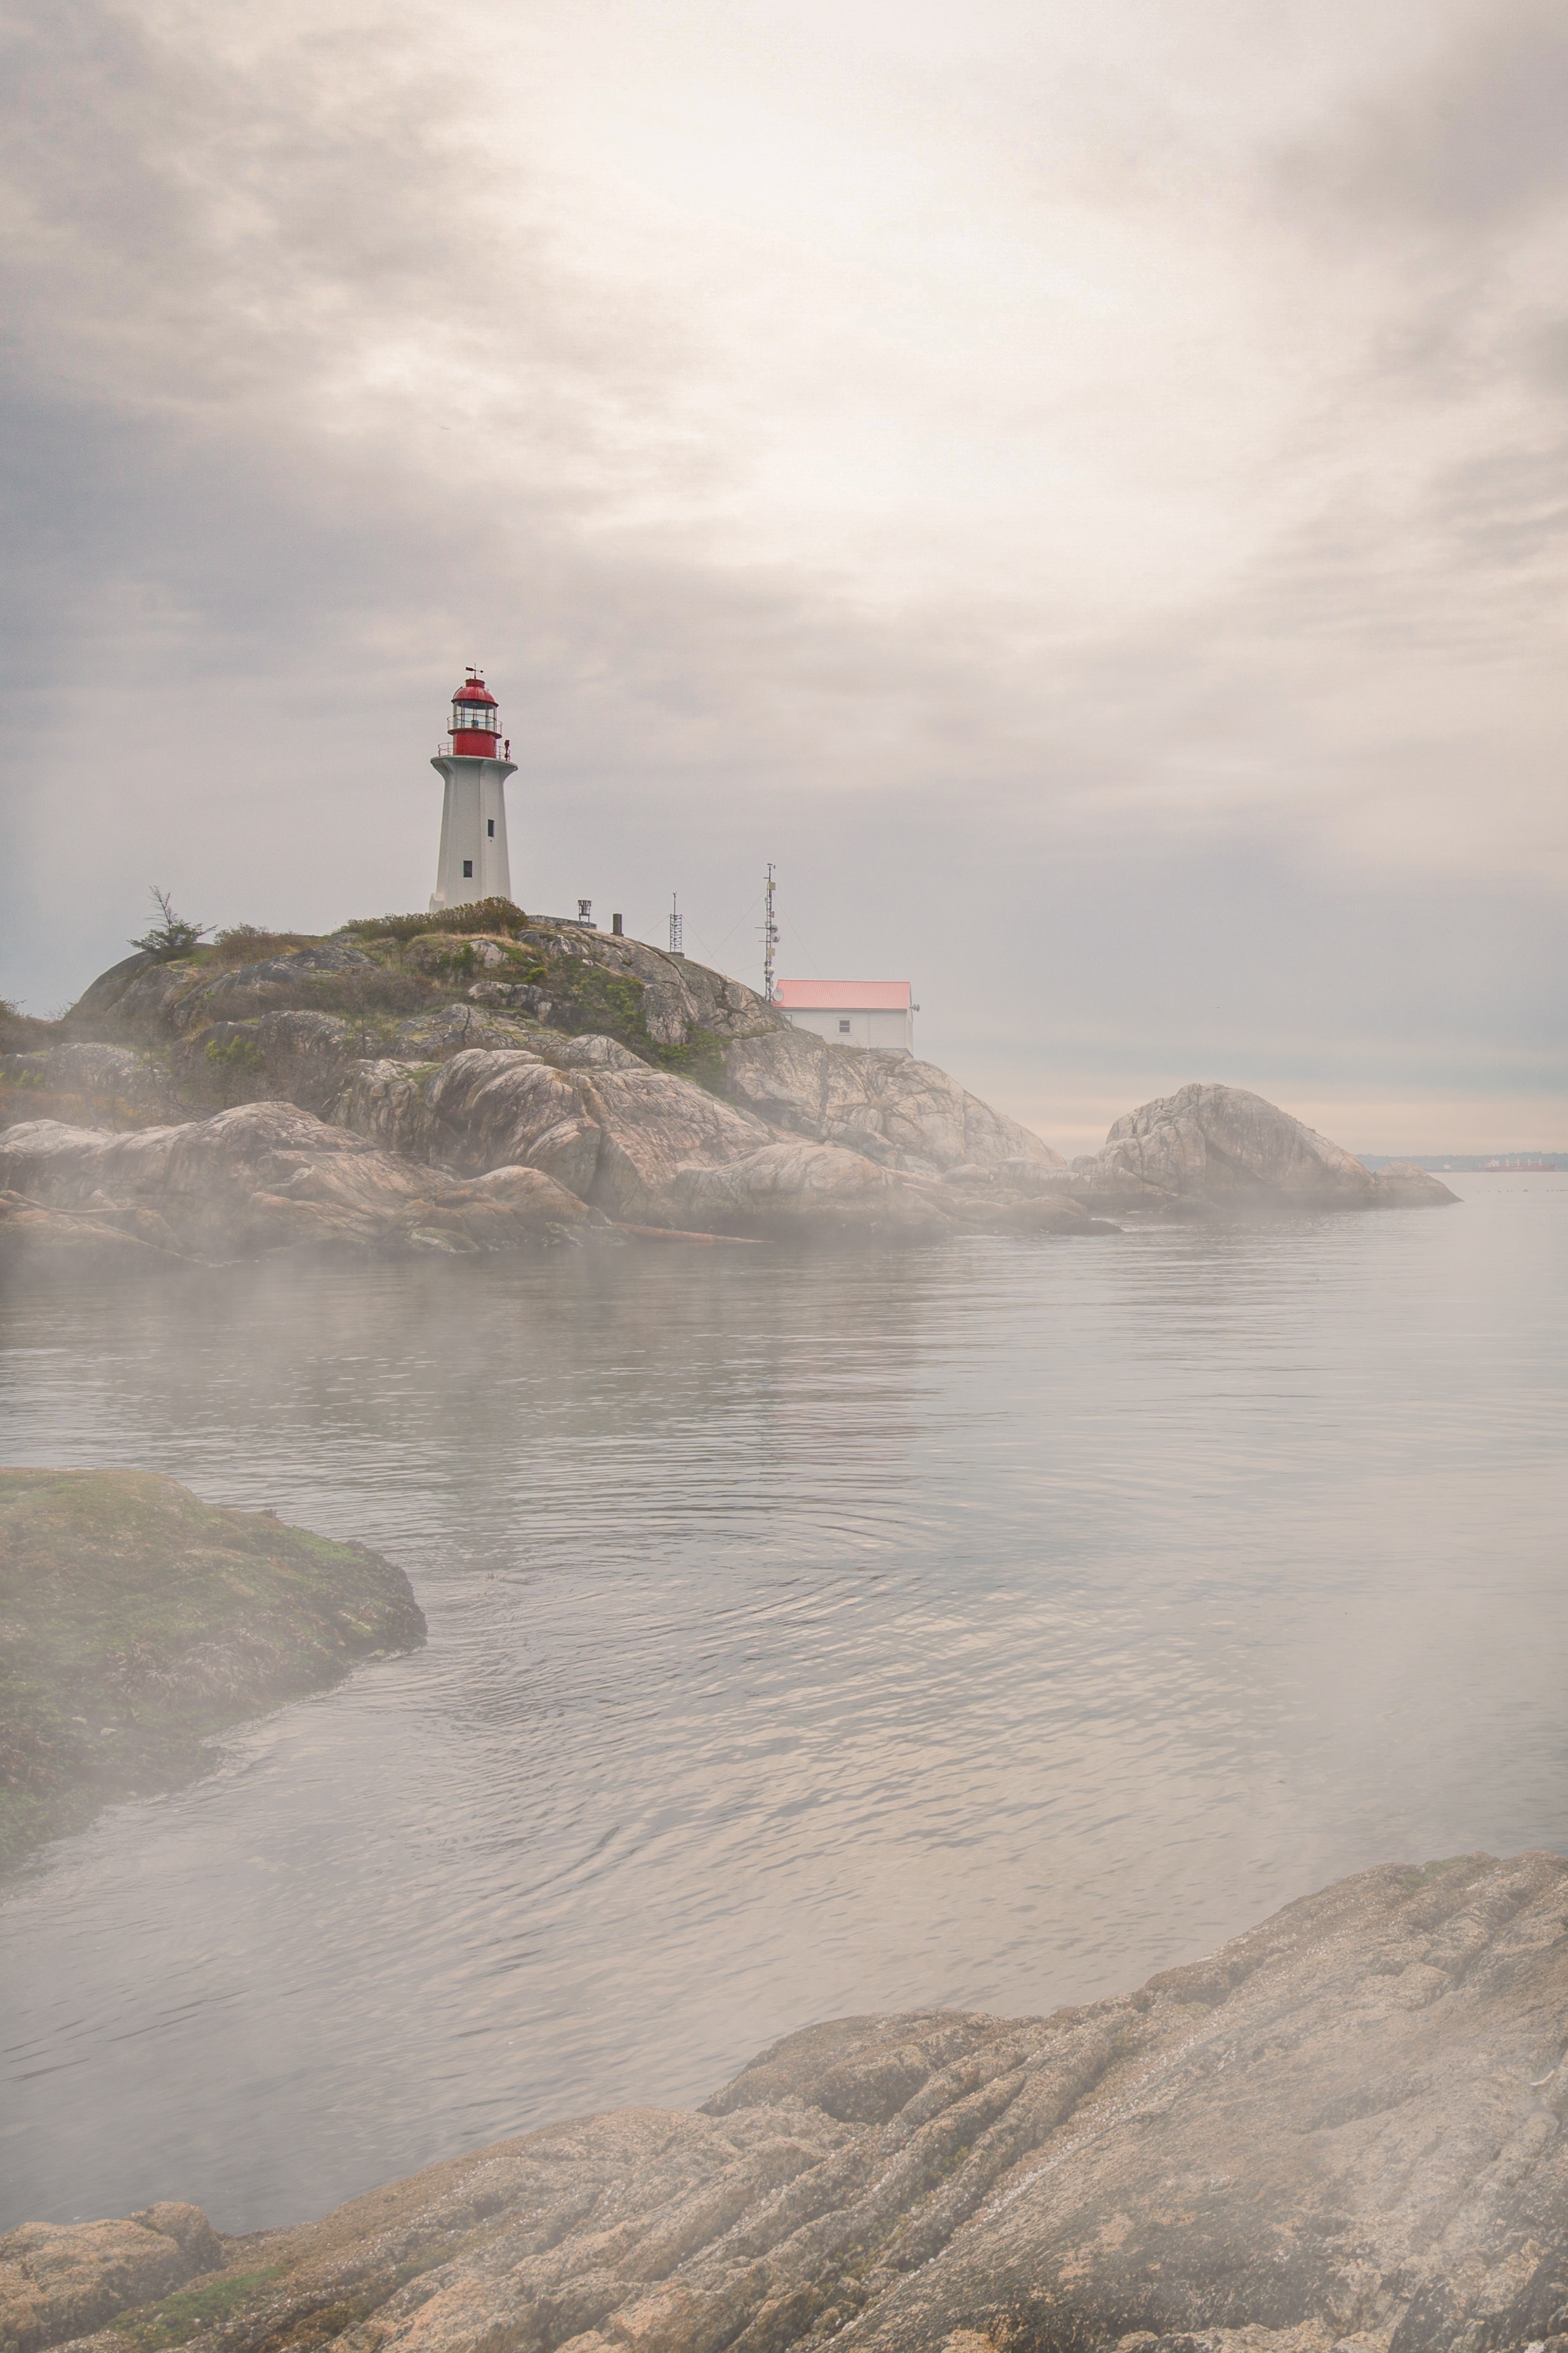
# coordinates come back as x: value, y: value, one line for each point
x: 1080, y: 493
x: 990, y: 1625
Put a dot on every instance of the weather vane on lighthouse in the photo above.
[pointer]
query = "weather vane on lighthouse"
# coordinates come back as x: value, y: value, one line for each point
x: 473, y: 862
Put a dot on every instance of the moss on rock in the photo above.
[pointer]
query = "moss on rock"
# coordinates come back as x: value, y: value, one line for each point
x: 135, y: 1621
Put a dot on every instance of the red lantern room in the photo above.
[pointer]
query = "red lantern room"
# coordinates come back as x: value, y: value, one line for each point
x: 476, y: 719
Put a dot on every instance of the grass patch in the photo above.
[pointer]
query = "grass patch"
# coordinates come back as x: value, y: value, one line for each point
x: 179, y: 2317
x: 499, y: 915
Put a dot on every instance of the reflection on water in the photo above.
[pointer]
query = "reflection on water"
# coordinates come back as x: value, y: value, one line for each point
x: 989, y: 1625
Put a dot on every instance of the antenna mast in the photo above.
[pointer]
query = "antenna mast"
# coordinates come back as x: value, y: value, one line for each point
x: 770, y: 939
x: 677, y: 926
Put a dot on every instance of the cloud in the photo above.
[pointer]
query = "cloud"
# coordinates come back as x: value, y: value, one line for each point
x: 950, y: 454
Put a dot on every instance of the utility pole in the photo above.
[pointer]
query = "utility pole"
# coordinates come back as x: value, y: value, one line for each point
x: 770, y: 939
x: 676, y: 926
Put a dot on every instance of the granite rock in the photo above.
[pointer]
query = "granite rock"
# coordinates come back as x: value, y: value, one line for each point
x: 59, y: 2280
x: 1223, y: 1146
x: 906, y: 1113
x: 268, y: 1176
x: 1342, y: 2130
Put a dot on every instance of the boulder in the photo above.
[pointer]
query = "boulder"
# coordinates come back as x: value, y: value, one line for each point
x: 59, y: 2280
x: 1343, y: 2129
x: 267, y: 1177
x: 906, y: 1113
x: 1223, y: 1146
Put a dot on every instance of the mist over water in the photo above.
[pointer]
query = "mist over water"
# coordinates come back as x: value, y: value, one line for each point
x: 989, y: 1624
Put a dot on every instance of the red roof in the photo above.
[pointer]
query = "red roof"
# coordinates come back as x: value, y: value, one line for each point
x: 474, y: 689
x: 842, y: 996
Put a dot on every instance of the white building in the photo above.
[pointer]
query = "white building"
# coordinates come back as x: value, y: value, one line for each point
x: 473, y: 861
x: 851, y: 1012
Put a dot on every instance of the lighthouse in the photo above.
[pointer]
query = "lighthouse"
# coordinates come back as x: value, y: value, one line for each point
x: 473, y: 862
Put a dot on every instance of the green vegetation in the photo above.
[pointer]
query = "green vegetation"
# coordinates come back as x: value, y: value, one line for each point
x: 234, y: 1063
x: 359, y: 994
x: 1416, y: 1874
x: 135, y: 1620
x: 174, y: 936
x: 249, y: 943
x: 154, y: 2327
x: 24, y: 1033
x: 700, y: 1059
x: 499, y: 915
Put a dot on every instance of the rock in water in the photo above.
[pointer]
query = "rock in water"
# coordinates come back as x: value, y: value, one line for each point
x: 263, y: 1176
x: 1343, y: 2130
x: 134, y: 1619
x: 1225, y: 1146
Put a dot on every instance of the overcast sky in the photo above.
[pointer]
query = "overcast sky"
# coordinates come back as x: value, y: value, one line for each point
x: 1082, y: 489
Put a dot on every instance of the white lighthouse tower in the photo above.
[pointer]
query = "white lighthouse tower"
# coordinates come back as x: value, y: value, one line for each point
x: 473, y: 863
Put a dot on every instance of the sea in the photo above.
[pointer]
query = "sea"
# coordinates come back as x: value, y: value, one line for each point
x: 988, y: 1624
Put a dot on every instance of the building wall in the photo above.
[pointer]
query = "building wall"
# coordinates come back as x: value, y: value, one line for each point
x: 882, y: 1028
x: 475, y: 801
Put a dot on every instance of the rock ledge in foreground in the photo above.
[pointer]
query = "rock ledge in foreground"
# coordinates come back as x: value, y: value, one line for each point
x: 1341, y: 2133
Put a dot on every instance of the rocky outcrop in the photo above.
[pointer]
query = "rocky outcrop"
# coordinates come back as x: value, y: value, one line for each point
x: 649, y: 1148
x: 268, y: 1176
x: 108, y: 1085
x: 1222, y: 1146
x: 60, y: 2281
x: 179, y: 998
x: 1342, y: 2130
x: 139, y: 1619
x: 812, y: 1188
x: 904, y: 1113
x: 643, y: 1085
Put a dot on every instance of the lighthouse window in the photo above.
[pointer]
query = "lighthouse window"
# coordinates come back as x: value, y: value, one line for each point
x: 844, y: 1029
x: 493, y: 828
x: 468, y: 869
x: 480, y: 715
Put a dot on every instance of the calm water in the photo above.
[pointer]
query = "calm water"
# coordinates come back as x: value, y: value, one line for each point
x: 989, y: 1625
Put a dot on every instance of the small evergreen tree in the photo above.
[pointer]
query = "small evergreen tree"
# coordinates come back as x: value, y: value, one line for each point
x: 173, y: 936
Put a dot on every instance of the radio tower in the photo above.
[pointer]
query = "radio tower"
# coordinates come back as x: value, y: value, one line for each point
x: 770, y: 939
x: 676, y: 926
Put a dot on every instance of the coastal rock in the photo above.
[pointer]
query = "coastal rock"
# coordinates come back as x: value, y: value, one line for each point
x: 1344, y: 2129
x: 795, y: 1185
x: 653, y: 1128
x: 1225, y: 1146
x: 1405, y: 1184
x: 306, y: 1058
x: 267, y: 1177
x: 139, y: 1619
x: 906, y: 1113
x: 100, y: 1085
x: 59, y: 2280
x: 144, y: 994
x: 680, y: 999
x: 650, y: 1148
x: 489, y: 1109
x: 127, y: 1084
